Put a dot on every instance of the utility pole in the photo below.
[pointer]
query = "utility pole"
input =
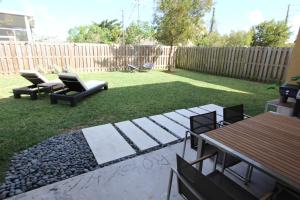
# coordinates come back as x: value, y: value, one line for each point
x: 287, y: 14
x: 138, y: 11
x: 123, y: 29
x: 212, y: 21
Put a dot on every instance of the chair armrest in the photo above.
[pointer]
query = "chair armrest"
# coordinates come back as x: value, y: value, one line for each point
x: 223, y: 123
x: 204, y: 157
x: 246, y: 116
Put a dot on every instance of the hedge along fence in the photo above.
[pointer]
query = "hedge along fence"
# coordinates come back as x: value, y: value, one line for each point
x: 263, y: 64
x: 82, y: 57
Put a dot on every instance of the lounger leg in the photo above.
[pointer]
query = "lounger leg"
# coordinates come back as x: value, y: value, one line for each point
x: 17, y: 96
x: 170, y: 185
x: 73, y: 103
x: 33, y: 96
x: 106, y: 87
x: 53, y: 100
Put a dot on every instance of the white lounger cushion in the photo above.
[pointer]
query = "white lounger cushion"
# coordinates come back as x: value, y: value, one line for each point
x: 38, y: 75
x: 33, y: 73
x: 93, y: 83
x: 87, y: 85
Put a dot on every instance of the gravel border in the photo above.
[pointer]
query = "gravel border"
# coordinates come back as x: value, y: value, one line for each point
x: 55, y: 159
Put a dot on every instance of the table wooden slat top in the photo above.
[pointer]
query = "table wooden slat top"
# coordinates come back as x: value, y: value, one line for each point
x: 270, y: 140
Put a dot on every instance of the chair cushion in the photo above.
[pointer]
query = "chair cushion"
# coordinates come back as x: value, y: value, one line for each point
x: 31, y: 73
x: 230, y: 187
x: 93, y: 84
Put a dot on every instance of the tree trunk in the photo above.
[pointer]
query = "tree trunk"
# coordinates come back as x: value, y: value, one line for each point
x: 169, y: 59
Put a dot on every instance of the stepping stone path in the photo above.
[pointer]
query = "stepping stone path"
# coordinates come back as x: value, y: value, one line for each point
x: 156, y: 131
x: 113, y: 142
x: 178, y: 118
x: 138, y: 137
x: 186, y: 113
x: 106, y: 143
x: 170, y: 125
x: 101, y: 146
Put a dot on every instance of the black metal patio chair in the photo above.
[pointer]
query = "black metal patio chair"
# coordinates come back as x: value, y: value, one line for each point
x: 193, y: 185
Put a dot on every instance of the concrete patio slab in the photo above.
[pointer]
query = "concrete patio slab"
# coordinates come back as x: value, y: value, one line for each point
x: 202, y: 111
x: 154, y: 130
x: 170, y: 125
x: 106, y: 143
x: 136, y: 135
x: 178, y: 118
x: 143, y: 177
x: 213, y: 107
x: 198, y: 110
x: 186, y: 113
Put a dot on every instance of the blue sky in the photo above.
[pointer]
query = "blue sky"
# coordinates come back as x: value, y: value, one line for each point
x: 55, y: 17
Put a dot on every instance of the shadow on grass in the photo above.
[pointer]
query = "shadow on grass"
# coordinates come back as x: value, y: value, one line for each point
x: 25, y: 122
x: 234, y: 83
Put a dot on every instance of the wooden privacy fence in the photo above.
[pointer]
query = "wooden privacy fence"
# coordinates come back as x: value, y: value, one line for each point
x: 264, y: 64
x: 81, y: 57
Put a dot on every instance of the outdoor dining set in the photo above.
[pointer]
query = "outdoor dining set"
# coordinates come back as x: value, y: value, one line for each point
x: 268, y: 142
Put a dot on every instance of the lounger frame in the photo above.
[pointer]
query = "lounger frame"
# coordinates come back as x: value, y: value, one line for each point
x: 75, y: 98
x: 33, y: 91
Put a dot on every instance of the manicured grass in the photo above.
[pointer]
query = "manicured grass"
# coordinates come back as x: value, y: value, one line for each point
x: 24, y: 123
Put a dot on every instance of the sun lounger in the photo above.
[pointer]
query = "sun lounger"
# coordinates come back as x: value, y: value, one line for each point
x: 39, y: 84
x: 75, y: 89
x: 146, y: 66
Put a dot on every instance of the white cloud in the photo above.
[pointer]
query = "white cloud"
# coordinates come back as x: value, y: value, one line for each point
x: 256, y: 17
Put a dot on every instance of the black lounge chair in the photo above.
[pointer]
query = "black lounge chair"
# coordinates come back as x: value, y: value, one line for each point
x: 75, y: 89
x: 39, y: 84
x: 193, y: 185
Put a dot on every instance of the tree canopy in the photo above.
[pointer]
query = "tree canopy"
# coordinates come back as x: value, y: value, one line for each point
x: 270, y: 33
x: 177, y: 20
x: 107, y: 31
x: 136, y: 32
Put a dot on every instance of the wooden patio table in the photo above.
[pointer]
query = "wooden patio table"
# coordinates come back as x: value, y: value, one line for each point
x: 269, y: 142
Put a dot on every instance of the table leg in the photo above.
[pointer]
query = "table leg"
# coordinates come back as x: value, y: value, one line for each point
x: 200, y: 151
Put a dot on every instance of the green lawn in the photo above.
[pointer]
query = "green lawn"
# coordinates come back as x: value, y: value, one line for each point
x: 24, y: 123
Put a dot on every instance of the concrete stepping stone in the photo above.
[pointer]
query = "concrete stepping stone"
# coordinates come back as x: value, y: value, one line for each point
x: 170, y: 125
x: 136, y: 135
x: 186, y: 113
x: 213, y: 107
x: 106, y: 143
x: 178, y: 118
x: 199, y: 110
x: 154, y: 130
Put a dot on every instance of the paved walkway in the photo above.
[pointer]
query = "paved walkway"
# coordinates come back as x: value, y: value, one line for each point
x: 144, y: 176
x: 111, y: 142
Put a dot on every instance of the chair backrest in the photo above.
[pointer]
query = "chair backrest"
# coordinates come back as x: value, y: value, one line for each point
x: 73, y: 82
x: 201, y: 124
x: 234, y: 113
x: 33, y: 76
x: 200, y: 183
